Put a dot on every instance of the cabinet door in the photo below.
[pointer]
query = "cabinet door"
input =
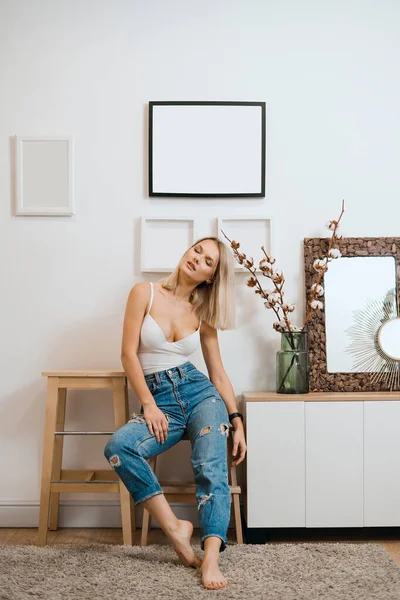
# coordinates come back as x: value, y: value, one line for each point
x: 334, y: 464
x: 275, y: 464
x: 381, y: 463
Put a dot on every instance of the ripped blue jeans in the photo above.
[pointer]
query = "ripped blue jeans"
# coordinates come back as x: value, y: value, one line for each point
x: 191, y: 404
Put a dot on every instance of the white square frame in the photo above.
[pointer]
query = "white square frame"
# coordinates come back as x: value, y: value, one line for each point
x: 267, y: 243
x: 146, y: 268
x: 68, y: 209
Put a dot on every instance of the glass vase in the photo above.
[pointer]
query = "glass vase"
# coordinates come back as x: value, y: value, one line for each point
x: 292, y: 363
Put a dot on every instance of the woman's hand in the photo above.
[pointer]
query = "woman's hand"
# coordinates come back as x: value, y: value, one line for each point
x: 156, y: 422
x: 239, y: 446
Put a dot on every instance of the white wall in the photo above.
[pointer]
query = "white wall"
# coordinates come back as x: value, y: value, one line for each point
x: 329, y: 74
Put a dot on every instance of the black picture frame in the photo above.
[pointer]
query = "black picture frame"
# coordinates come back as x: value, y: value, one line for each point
x: 236, y: 141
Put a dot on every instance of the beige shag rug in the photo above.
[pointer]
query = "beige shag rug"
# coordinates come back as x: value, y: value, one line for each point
x: 304, y: 571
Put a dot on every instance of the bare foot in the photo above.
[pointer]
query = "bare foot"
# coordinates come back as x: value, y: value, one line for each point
x: 211, y: 575
x: 180, y: 539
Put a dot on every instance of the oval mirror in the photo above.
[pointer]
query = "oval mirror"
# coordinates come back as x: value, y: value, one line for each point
x: 389, y: 338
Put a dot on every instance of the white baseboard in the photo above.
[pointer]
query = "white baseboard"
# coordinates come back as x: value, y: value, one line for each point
x: 81, y: 513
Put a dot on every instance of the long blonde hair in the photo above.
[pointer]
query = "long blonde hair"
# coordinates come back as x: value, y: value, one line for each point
x: 213, y: 303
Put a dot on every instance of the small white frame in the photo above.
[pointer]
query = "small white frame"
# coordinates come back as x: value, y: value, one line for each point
x: 173, y: 234
x: 250, y: 246
x: 44, y: 175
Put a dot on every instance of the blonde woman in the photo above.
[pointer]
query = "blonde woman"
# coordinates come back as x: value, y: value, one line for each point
x: 164, y: 323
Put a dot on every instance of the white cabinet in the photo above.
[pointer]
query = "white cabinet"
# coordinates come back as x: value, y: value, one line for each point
x: 334, y: 464
x: 275, y: 464
x: 322, y: 459
x: 381, y: 464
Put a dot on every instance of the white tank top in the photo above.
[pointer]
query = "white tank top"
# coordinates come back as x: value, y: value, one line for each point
x: 155, y: 353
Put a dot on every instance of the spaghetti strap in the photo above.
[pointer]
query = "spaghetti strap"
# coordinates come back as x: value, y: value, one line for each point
x: 151, y: 297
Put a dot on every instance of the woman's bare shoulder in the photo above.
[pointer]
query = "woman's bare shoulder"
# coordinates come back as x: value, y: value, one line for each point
x: 142, y: 290
x: 139, y: 293
x: 142, y: 287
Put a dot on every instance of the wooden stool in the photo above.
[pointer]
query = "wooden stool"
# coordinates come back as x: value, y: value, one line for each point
x: 186, y: 491
x: 54, y: 478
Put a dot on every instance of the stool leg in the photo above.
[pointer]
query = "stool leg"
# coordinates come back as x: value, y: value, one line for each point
x: 236, y: 498
x: 47, y: 462
x: 238, y: 519
x: 57, y: 462
x: 121, y: 415
x: 146, y: 520
x: 145, y: 527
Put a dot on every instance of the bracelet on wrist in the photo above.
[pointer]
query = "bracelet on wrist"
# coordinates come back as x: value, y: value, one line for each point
x: 234, y: 415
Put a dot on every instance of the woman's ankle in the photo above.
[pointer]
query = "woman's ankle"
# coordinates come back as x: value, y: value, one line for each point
x: 210, y: 559
x: 173, y: 526
x: 212, y: 546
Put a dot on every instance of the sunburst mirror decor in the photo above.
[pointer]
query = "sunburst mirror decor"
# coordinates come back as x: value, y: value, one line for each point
x: 375, y: 343
x: 355, y: 341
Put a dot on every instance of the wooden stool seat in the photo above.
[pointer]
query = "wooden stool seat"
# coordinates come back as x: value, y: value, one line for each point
x: 185, y: 491
x: 55, y: 479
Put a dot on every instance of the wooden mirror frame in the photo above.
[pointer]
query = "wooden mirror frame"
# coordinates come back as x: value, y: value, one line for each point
x: 320, y: 379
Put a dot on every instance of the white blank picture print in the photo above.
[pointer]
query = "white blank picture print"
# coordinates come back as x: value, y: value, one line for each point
x: 207, y: 149
x: 44, y: 175
x: 251, y: 233
x: 164, y: 241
